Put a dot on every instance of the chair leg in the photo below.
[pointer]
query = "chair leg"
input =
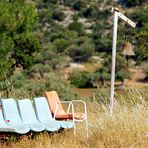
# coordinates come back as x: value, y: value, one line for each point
x: 86, y: 126
x: 73, y: 118
x: 74, y: 129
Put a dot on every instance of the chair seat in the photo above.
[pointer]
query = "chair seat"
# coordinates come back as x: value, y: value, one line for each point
x: 79, y: 116
x: 63, y: 116
x: 66, y: 116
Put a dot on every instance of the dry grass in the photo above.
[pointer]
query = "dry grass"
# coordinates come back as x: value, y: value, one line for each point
x: 127, y: 128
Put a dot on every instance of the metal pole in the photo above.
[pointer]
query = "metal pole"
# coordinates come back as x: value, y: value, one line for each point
x: 113, y: 60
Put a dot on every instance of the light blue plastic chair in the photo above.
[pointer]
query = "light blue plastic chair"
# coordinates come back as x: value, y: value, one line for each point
x: 50, y: 124
x: 3, y: 126
x: 12, y: 117
x: 28, y: 115
x: 44, y: 114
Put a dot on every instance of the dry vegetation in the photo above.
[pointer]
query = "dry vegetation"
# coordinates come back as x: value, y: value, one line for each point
x: 127, y: 127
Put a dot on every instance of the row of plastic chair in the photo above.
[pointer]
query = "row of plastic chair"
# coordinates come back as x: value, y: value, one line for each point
x: 21, y: 116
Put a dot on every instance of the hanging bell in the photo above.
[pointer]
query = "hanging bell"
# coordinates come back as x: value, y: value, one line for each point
x: 128, y: 48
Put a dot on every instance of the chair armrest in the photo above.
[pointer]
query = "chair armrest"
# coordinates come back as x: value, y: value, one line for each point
x: 82, y: 102
x: 78, y: 101
x: 63, y: 102
x: 67, y: 102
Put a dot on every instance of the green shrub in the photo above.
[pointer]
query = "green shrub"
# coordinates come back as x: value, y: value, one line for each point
x: 45, y: 15
x: 75, y: 17
x: 76, y: 26
x: 81, y: 50
x: 17, y: 80
x: 58, y: 61
x: 39, y: 58
x: 131, y: 3
x: 120, y: 63
x: 52, y: 1
x: 121, y: 75
x: 81, y: 79
x: 58, y: 15
x: 61, y: 44
x: 51, y: 58
x: 35, y: 88
x: 25, y: 88
x: 47, y: 68
x: 102, y: 74
x: 68, y: 2
x: 36, y: 68
x: 68, y: 35
x: 79, y: 4
x: 89, y: 12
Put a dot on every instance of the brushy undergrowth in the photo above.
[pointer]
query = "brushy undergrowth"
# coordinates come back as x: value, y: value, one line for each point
x: 127, y: 128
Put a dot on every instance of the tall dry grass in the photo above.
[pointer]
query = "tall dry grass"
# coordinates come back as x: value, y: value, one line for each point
x: 127, y: 128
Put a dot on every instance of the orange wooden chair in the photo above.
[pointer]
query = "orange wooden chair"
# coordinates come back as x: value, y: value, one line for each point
x: 58, y: 112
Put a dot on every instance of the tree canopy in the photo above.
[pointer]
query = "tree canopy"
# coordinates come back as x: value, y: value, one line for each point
x: 17, y: 43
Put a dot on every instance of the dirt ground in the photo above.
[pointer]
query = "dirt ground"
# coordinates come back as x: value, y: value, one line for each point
x: 137, y: 78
